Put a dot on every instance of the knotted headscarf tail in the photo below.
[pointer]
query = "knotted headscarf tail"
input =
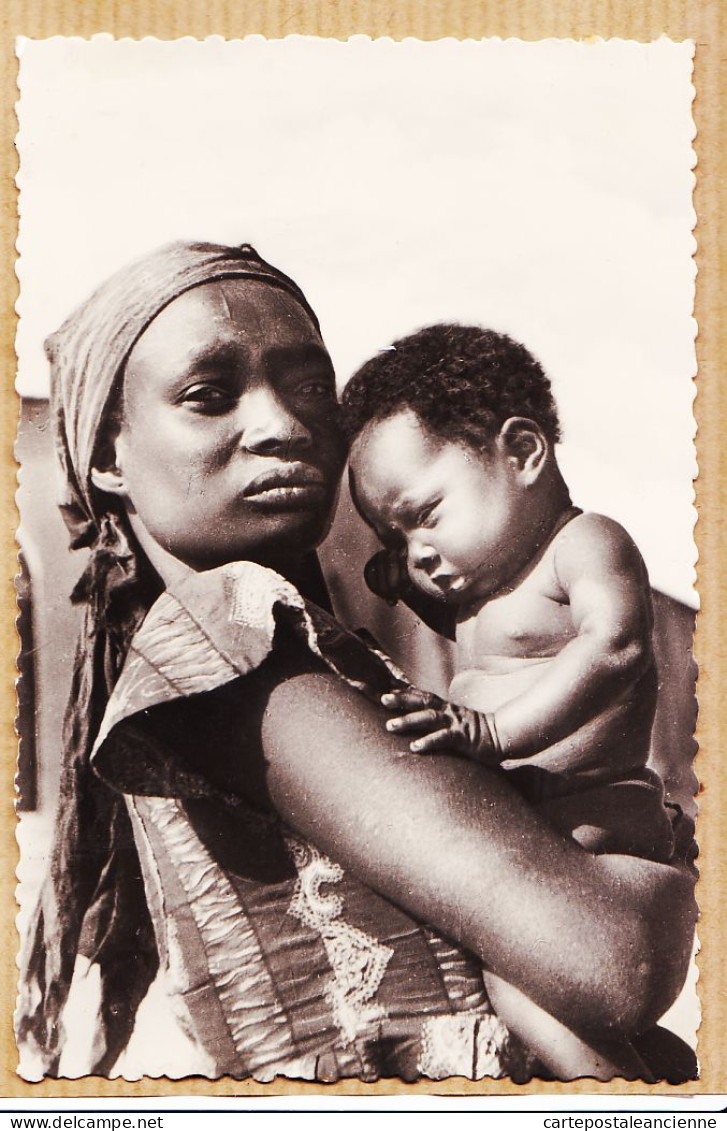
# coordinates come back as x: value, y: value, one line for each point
x: 92, y: 900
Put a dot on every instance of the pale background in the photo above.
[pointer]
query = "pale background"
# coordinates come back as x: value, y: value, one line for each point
x: 541, y: 189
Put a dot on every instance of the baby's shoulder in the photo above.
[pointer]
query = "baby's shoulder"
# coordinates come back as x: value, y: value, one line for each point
x: 594, y: 542
x: 591, y: 526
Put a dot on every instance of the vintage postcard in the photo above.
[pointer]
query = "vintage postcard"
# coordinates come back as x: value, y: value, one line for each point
x: 356, y: 460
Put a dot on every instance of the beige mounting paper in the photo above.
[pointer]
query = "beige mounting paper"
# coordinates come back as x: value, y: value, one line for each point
x: 543, y: 189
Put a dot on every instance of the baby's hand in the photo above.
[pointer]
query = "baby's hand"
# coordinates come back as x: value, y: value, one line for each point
x: 443, y: 727
x: 386, y: 574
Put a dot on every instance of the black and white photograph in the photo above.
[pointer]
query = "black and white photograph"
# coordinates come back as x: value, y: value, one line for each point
x: 357, y: 696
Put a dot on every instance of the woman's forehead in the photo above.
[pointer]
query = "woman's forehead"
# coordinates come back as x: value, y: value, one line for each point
x: 234, y: 309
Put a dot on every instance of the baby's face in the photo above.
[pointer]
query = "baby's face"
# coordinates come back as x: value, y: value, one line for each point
x: 455, y: 510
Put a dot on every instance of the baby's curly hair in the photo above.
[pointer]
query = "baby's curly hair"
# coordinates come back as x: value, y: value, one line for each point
x: 462, y: 382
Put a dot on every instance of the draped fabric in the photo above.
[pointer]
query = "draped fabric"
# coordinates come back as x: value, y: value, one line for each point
x: 92, y: 900
x: 277, y: 960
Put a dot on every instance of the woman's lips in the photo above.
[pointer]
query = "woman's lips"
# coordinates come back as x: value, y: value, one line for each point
x: 286, y: 485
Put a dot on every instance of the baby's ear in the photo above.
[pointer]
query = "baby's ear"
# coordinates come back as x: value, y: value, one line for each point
x: 525, y: 447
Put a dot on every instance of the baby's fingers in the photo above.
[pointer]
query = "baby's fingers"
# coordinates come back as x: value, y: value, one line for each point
x: 409, y: 699
x: 438, y: 742
x: 417, y: 722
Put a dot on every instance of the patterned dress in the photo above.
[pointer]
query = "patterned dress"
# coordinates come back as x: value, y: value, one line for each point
x: 278, y: 962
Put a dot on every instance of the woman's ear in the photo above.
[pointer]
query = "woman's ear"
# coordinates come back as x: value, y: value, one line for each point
x: 525, y: 446
x: 107, y: 473
x: 109, y: 480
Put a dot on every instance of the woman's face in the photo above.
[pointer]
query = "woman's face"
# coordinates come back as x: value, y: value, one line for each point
x: 229, y: 446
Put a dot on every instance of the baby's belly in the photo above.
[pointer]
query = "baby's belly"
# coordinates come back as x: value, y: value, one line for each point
x: 614, y: 740
x: 499, y: 680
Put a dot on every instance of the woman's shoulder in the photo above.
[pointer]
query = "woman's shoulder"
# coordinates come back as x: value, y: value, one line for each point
x: 234, y: 609
x: 203, y: 632
x: 216, y: 626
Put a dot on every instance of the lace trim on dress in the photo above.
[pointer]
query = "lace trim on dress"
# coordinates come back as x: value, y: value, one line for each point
x: 358, y: 961
x: 472, y: 1042
x: 451, y: 1042
x: 213, y: 628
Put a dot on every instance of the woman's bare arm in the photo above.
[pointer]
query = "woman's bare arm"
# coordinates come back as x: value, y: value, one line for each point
x: 602, y: 943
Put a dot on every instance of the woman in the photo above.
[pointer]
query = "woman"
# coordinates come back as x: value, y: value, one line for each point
x: 249, y: 822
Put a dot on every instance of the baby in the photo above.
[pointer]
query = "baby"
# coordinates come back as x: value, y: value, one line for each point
x: 453, y: 466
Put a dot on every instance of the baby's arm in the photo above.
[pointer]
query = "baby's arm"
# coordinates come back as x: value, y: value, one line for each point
x: 604, y: 579
x: 586, y: 687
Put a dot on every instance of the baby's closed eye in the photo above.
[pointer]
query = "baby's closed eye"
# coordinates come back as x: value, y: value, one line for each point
x: 426, y: 516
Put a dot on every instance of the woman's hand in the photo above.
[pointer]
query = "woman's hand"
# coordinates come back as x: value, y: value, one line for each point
x: 443, y: 727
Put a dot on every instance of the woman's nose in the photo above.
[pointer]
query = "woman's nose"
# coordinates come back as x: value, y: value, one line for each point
x: 268, y: 426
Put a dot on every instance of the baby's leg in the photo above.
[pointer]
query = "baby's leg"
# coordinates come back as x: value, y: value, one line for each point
x: 626, y: 817
x: 621, y: 817
x: 556, y: 1047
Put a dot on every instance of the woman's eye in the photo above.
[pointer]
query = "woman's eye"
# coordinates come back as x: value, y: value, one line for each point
x: 314, y: 385
x: 206, y: 398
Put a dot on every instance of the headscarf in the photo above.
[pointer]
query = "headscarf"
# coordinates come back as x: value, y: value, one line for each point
x: 92, y: 900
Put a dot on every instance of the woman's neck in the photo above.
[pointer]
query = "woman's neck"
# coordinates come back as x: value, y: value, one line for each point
x: 173, y: 570
x: 170, y: 569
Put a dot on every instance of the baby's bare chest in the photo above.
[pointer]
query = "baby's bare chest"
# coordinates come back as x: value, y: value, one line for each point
x: 528, y: 621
